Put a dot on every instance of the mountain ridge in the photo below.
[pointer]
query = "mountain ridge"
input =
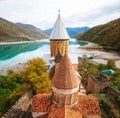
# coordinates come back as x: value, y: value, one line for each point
x: 107, y: 35
x: 10, y: 32
x: 32, y: 28
x: 72, y: 31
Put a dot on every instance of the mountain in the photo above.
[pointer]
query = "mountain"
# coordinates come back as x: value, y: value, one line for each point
x: 107, y: 35
x: 74, y: 31
x: 12, y: 32
x: 71, y: 31
x: 32, y: 28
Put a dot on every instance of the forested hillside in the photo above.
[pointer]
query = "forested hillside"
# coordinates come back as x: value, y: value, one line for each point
x: 11, y: 32
x: 107, y: 35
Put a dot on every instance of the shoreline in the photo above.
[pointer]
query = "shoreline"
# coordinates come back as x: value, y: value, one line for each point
x: 101, y: 57
x: 89, y: 44
x: 19, y: 42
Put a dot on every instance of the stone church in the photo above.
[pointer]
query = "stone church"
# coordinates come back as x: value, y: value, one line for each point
x: 65, y: 100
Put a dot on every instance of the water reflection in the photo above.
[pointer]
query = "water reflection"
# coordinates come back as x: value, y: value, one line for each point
x: 17, y: 53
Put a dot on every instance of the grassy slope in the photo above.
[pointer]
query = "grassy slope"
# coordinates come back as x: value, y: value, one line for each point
x: 107, y: 35
x: 11, y: 32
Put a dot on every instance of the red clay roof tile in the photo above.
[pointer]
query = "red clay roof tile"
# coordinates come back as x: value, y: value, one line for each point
x: 70, y: 112
x: 44, y: 116
x: 41, y: 102
x: 57, y: 113
x: 87, y: 105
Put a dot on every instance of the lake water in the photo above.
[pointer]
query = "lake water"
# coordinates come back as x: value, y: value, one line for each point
x: 17, y: 53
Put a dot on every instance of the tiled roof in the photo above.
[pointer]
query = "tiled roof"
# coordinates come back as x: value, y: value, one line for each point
x: 92, y: 116
x: 59, y: 31
x: 41, y: 102
x: 44, y: 116
x: 87, y: 106
x: 65, y: 76
x: 63, y: 112
x: 72, y: 113
x: 57, y: 113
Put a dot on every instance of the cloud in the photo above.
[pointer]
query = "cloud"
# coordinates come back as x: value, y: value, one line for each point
x: 95, y: 16
x: 43, y: 13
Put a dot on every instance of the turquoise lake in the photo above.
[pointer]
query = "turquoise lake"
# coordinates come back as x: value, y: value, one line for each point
x: 17, y: 53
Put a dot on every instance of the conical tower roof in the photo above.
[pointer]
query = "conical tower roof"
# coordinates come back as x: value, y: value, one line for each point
x: 65, y: 76
x: 59, y: 31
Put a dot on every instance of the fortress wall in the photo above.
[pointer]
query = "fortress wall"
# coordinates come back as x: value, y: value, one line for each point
x: 20, y: 107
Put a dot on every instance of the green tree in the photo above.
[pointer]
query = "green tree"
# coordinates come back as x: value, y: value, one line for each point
x: 101, y: 67
x: 111, y: 64
x: 85, y: 68
x: 12, y: 81
x: 36, y: 76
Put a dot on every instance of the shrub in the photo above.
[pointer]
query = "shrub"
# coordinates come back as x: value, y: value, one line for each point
x: 111, y: 64
x: 36, y: 76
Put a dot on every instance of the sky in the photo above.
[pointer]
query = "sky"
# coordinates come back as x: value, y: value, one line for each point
x: 74, y: 13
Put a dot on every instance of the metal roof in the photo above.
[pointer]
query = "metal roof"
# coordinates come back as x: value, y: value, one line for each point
x: 59, y: 31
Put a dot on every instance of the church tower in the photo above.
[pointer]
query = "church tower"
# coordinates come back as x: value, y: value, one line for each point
x: 59, y: 38
x: 65, y: 83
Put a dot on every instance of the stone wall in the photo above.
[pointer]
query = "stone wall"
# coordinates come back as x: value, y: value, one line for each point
x: 97, y: 86
x: 112, y: 92
x: 20, y: 107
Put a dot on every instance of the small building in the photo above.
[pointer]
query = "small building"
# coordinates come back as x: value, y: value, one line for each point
x: 97, y: 83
